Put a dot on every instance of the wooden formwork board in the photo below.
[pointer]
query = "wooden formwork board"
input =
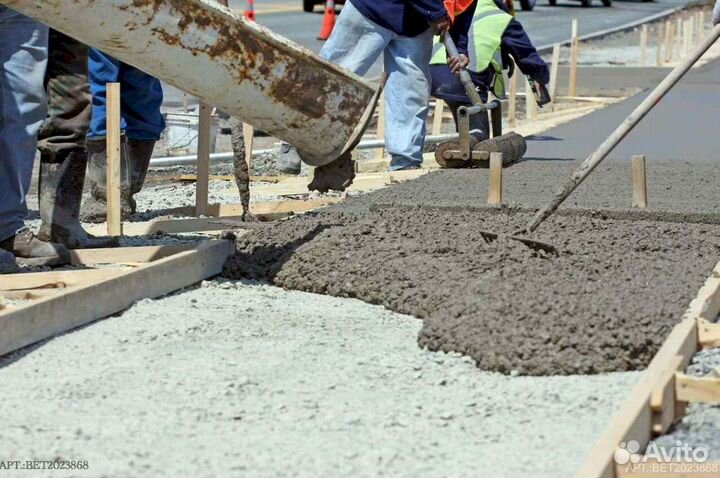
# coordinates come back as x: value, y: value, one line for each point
x: 655, y: 403
x: 55, y: 302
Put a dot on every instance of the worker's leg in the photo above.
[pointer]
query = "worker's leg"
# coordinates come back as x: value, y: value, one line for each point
x: 63, y: 156
x: 103, y: 69
x: 407, y: 93
x: 23, y: 106
x: 142, y: 97
x: 356, y: 42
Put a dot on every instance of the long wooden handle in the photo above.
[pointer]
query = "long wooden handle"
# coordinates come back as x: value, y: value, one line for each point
x: 622, y: 131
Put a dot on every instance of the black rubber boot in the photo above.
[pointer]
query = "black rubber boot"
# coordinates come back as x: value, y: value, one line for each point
x: 95, y: 209
x: 140, y: 153
x: 60, y: 193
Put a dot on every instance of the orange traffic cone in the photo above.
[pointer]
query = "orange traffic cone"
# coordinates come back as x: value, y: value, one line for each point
x: 250, y: 10
x: 328, y: 22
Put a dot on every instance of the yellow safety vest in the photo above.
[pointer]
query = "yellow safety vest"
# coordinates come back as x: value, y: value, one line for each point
x: 484, y: 38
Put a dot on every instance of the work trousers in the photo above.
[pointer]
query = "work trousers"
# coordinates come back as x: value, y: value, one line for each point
x: 141, y: 96
x: 355, y: 44
x: 23, y: 107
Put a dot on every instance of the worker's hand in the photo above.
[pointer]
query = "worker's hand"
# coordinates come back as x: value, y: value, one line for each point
x: 457, y: 63
x: 441, y: 27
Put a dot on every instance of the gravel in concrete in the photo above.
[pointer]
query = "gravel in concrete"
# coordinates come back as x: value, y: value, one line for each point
x: 235, y: 379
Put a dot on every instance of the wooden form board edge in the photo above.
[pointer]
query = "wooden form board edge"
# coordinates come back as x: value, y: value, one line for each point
x: 635, y: 417
x: 54, y: 315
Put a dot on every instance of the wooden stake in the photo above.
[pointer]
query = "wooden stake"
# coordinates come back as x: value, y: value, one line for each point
x: 249, y: 136
x: 495, y: 186
x: 572, y: 88
x: 639, y: 181
x: 512, y: 101
x: 380, y: 152
x: 701, y: 26
x: 114, y: 179
x: 643, y: 45
x: 658, y: 50
x: 554, y: 71
x: 530, y: 105
x: 203, y: 160
x: 669, y: 41
x: 438, y: 117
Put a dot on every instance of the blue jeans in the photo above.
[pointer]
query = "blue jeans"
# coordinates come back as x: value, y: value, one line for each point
x: 355, y: 44
x: 23, y: 107
x: 141, y: 96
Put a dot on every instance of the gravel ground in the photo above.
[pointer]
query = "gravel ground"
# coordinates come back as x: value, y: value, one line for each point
x: 250, y: 380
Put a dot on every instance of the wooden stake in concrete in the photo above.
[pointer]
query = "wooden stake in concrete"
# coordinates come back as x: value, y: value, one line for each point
x: 643, y: 45
x: 530, y: 104
x: 669, y: 41
x: 512, y: 101
x: 639, y: 181
x: 574, y: 47
x: 249, y: 136
x: 114, y: 179
x: 658, y: 50
x: 380, y: 152
x: 203, y: 160
x: 701, y: 26
x: 495, y: 185
x: 554, y: 71
x: 438, y: 117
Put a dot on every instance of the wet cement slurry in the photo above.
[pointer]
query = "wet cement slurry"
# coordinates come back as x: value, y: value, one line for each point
x: 605, y: 304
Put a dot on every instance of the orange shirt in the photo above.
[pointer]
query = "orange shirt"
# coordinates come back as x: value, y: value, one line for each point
x: 456, y: 7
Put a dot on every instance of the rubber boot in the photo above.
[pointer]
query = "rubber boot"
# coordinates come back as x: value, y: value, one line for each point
x: 95, y: 209
x: 7, y: 262
x: 140, y: 153
x: 33, y: 252
x: 60, y: 193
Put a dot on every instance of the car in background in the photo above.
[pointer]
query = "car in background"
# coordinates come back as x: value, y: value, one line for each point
x: 309, y: 5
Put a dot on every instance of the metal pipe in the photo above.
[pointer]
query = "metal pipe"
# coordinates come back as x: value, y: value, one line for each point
x: 190, y: 160
x: 213, y: 53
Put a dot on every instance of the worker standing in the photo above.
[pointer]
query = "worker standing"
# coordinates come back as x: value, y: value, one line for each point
x: 23, y: 107
x: 141, y: 123
x: 63, y: 155
x: 402, y: 31
x: 496, y: 40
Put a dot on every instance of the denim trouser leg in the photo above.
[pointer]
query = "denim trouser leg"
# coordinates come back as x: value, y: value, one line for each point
x: 23, y: 106
x: 355, y: 44
x: 407, y: 93
x: 140, y: 95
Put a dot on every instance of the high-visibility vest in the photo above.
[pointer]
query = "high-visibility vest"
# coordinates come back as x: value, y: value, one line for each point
x: 484, y: 38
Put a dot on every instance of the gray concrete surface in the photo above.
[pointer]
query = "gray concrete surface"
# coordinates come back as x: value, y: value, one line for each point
x: 237, y: 379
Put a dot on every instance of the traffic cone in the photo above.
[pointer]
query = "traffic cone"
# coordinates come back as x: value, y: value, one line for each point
x: 250, y: 10
x: 328, y: 22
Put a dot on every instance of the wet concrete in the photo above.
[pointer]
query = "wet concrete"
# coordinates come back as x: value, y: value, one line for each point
x: 606, y: 304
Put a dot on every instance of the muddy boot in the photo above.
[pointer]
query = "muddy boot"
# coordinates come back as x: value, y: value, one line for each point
x: 7, y: 262
x: 31, y: 251
x: 60, y: 194
x: 95, y: 209
x: 140, y: 153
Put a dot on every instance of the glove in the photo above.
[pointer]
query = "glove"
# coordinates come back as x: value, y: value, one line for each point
x: 716, y: 13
